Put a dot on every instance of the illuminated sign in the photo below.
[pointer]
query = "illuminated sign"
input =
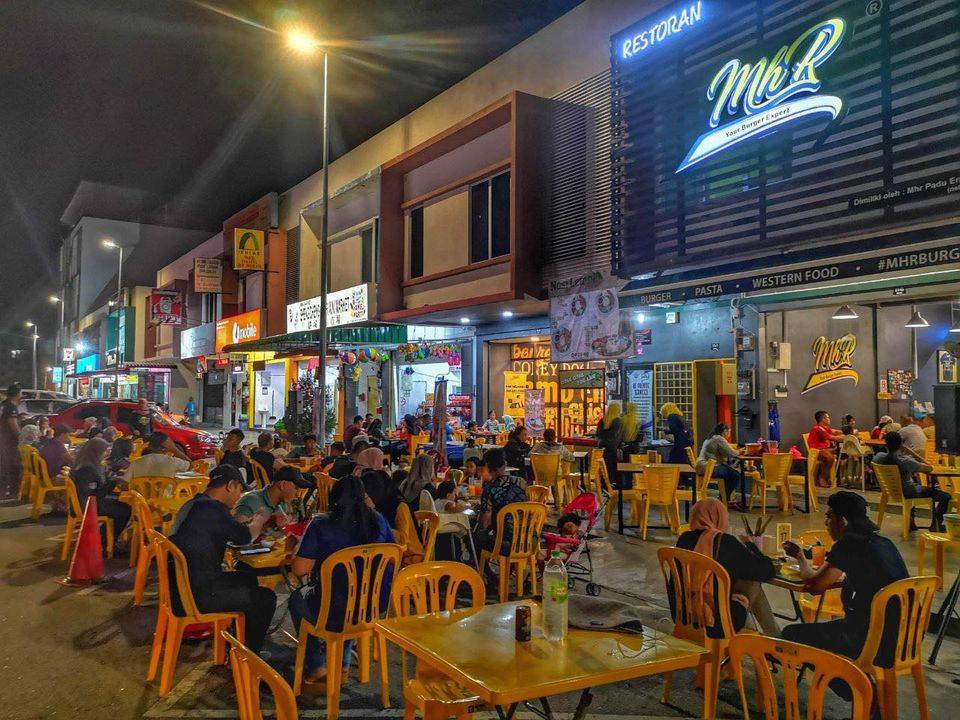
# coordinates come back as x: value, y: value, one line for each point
x: 766, y: 95
x: 247, y: 249
x: 88, y: 363
x: 197, y: 341
x: 238, y: 329
x: 344, y: 307
x: 832, y: 360
x: 56, y: 375
x: 654, y: 33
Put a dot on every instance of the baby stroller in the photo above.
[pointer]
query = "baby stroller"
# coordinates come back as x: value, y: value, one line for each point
x: 575, y: 551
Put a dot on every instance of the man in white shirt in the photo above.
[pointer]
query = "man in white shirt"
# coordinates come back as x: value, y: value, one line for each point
x: 161, y: 458
x: 913, y: 436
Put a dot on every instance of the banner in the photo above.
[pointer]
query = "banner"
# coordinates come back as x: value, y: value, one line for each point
x: 238, y: 329
x: 344, y: 307
x: 247, y: 249
x: 581, y: 379
x: 166, y: 308
x: 197, y: 341
x: 588, y: 325
x: 533, y: 407
x: 207, y: 275
x: 514, y: 390
x: 640, y: 393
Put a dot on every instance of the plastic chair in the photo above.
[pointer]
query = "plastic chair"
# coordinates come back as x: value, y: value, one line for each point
x: 407, y: 530
x: 776, y: 468
x: 415, y: 442
x: 75, y: 517
x: 792, y: 658
x: 428, y: 524
x: 364, y: 569
x: 525, y: 520
x: 547, y: 472
x: 169, y: 633
x: 538, y: 493
x: 141, y: 549
x: 808, y: 478
x: 325, y: 483
x: 891, y: 493
x: 28, y: 476
x: 428, y: 588
x: 218, y: 455
x: 661, y: 490
x: 702, y: 479
x: 686, y: 573
x: 916, y: 595
x: 629, y: 494
x: 831, y: 605
x: 44, y: 484
x: 260, y: 476
x: 249, y: 673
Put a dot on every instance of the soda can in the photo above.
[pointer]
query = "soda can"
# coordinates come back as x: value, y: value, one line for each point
x: 523, y: 622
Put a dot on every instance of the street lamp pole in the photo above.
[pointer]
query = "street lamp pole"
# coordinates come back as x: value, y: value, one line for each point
x: 59, y: 339
x: 35, y: 338
x: 324, y: 260
x: 119, y: 301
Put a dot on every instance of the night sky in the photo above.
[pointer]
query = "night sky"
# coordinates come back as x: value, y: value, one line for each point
x: 199, y: 105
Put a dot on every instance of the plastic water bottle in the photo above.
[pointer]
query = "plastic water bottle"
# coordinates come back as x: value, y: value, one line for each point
x: 555, y: 598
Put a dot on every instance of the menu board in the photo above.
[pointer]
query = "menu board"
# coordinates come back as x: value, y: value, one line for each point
x: 585, y: 378
x: 514, y: 387
x: 899, y: 384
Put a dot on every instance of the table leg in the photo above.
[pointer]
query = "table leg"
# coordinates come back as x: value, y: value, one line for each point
x: 743, y: 486
x: 586, y: 697
x: 947, y: 609
x: 620, y: 510
x: 921, y: 555
x: 938, y: 563
x: 583, y: 481
x: 508, y: 715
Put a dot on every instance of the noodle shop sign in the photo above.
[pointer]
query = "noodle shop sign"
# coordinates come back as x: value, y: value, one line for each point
x: 832, y: 361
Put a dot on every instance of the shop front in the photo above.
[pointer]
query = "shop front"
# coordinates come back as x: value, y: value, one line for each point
x: 236, y: 337
x: 198, y: 344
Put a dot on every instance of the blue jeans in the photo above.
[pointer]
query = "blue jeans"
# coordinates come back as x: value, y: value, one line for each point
x: 731, y: 480
x: 304, y: 604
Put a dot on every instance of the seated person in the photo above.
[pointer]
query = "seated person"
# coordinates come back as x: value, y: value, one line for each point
x: 201, y: 531
x: 109, y: 433
x: 344, y: 465
x: 912, y: 436
x: 550, y: 446
x: 896, y: 455
x: 91, y: 481
x: 384, y: 492
x: 336, y: 450
x: 821, y: 439
x: 90, y: 428
x: 281, y: 448
x: 709, y: 535
x: 717, y: 447
x: 471, y: 451
x: 54, y: 450
x: 421, y: 477
x: 263, y: 455
x: 517, y: 448
x: 852, y: 452
x: 234, y: 455
x: 351, y: 431
x: 877, y: 432
x: 309, y: 449
x: 118, y: 461
x: 865, y: 562
x: 375, y: 430
x: 447, y: 500
x: 471, y: 470
x: 160, y: 458
x: 275, y: 499
x: 499, y: 490
x: 349, y: 523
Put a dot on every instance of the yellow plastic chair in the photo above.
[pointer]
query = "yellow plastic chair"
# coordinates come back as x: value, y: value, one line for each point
x: 429, y: 588
x: 141, y: 548
x: 260, y: 476
x: 702, y: 480
x: 169, y: 632
x: 28, y: 475
x: 218, y: 455
x: 538, y: 493
x: 891, y: 493
x: 75, y: 518
x: 916, y: 595
x: 776, y: 468
x: 792, y: 658
x: 686, y: 574
x: 832, y: 605
x: 364, y: 568
x: 808, y: 478
x: 413, y: 550
x: 660, y: 489
x: 416, y: 441
x: 250, y: 672
x: 526, y: 521
x: 428, y: 525
x: 325, y: 484
x: 547, y: 472
x: 44, y: 484
x: 630, y: 495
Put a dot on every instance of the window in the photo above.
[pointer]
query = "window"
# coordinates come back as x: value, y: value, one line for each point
x: 490, y: 218
x: 369, y: 255
x: 94, y: 411
x: 416, y: 242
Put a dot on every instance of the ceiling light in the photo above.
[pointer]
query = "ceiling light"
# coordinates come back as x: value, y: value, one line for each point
x: 640, y: 318
x: 507, y: 314
x: 54, y: 299
x: 916, y: 320
x: 955, y: 328
x: 845, y: 312
x: 535, y: 338
x: 464, y: 321
x: 301, y: 41
x: 108, y: 243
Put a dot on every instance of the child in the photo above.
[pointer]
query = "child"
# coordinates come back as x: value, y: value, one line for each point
x: 471, y: 471
x: 446, y: 500
x: 569, y: 525
x: 852, y: 457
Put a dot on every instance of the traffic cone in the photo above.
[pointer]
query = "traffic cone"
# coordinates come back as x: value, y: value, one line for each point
x: 87, y: 564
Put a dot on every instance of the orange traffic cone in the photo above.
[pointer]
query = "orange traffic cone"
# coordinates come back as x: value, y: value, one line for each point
x: 87, y: 564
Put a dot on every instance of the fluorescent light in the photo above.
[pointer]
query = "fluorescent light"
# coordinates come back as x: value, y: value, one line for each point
x: 54, y: 299
x: 845, y: 312
x: 464, y: 321
x: 507, y: 314
x: 955, y: 328
x: 916, y: 320
x: 108, y: 243
x: 535, y: 338
x: 640, y: 318
x: 28, y: 323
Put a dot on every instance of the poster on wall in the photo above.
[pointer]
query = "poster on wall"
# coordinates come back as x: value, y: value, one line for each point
x: 533, y: 407
x: 640, y: 393
x: 514, y: 389
x: 207, y: 275
x: 899, y: 384
x: 586, y: 322
x: 248, y: 249
x: 832, y: 361
x: 946, y: 367
x: 166, y: 308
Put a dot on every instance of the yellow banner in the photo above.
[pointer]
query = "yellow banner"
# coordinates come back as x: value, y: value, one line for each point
x: 514, y: 388
x: 248, y: 249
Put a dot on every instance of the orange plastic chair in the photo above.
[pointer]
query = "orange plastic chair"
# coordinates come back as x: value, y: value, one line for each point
x: 44, y: 484
x: 141, y: 549
x: 891, y: 493
x: 427, y: 525
x: 832, y: 606
x: 526, y: 521
x: 364, y: 568
x: 776, y: 468
x: 260, y: 476
x: 28, y: 476
x: 792, y: 658
x: 218, y: 455
x: 547, y: 472
x: 75, y: 517
x: 428, y: 588
x: 250, y: 672
x: 686, y: 574
x: 660, y: 489
x: 538, y: 493
x: 169, y: 632
x: 325, y: 483
x: 407, y: 530
x: 916, y: 595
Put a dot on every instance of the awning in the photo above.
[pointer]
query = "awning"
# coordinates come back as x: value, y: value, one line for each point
x: 160, y: 363
x: 309, y: 340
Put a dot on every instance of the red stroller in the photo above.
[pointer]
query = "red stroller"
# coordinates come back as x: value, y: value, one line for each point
x: 576, y: 550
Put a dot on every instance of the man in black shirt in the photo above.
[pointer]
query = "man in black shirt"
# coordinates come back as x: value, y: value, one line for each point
x: 233, y: 455
x: 202, y: 529
x: 263, y: 455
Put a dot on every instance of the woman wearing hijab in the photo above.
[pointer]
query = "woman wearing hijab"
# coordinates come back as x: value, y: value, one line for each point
x: 119, y: 459
x: 677, y: 428
x: 709, y: 535
x: 368, y: 459
x: 420, y: 478
x: 630, y: 427
x: 610, y: 438
x: 91, y: 481
x: 375, y: 430
x: 349, y: 523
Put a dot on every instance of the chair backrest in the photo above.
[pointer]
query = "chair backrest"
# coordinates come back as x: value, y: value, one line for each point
x: 525, y: 520
x: 426, y: 501
x: 249, y: 673
x: 416, y: 441
x: 546, y: 468
x: 141, y: 515
x: 218, y: 455
x: 809, y: 537
x: 455, y: 476
x: 930, y: 454
x: 405, y: 524
x: 863, y: 435
x: 914, y: 596
x: 661, y: 483
x: 41, y: 470
x: 165, y: 552
x: 791, y: 658
x: 604, y: 476
x: 430, y: 587
x: 260, y: 476
x: 653, y: 457
x: 691, y: 458
x: 26, y: 458
x: 703, y: 479
x: 364, y: 568
x: 186, y: 489
x: 776, y: 467
x: 428, y: 524
x: 152, y: 487
x: 806, y: 441
x: 538, y: 493
x: 73, y: 500
x: 701, y: 592
x: 888, y: 478
x: 324, y: 484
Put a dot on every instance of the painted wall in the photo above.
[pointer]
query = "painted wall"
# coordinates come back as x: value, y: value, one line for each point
x: 446, y: 234
x: 701, y: 334
x: 345, y: 263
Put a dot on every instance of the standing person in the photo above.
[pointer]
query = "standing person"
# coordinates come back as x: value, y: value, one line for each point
x: 10, y: 466
x: 717, y: 447
x: 866, y: 562
x: 190, y: 411
x: 896, y: 455
x: 492, y: 425
x: 610, y: 438
x: 821, y: 439
x: 91, y: 481
x: 160, y: 458
x: 351, y: 522
x: 144, y: 419
x: 202, y: 529
x: 351, y: 431
x: 677, y: 428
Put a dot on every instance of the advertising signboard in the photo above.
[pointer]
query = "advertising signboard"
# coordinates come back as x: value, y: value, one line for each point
x: 207, y: 275
x: 237, y: 329
x: 166, y: 308
x: 248, y: 251
x: 197, y: 341
x: 344, y: 307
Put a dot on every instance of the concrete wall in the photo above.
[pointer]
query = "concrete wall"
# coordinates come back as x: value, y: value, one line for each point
x: 346, y: 256
x: 701, y: 334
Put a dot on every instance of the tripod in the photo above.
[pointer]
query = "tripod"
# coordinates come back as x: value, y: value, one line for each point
x: 948, y: 609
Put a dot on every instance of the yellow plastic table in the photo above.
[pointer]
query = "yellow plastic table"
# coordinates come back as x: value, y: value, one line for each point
x: 940, y: 541
x: 477, y: 649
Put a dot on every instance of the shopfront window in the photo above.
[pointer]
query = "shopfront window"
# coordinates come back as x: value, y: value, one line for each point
x: 416, y: 242
x: 490, y: 218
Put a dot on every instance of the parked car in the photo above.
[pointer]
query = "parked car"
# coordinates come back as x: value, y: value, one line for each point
x: 34, y: 409
x: 122, y: 414
x: 29, y: 394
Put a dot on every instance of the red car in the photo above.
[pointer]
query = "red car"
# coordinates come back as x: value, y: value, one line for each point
x: 195, y: 443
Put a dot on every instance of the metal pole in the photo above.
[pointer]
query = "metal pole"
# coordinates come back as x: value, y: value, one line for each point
x: 61, y: 336
x: 119, y: 300
x: 324, y: 264
x: 35, y: 336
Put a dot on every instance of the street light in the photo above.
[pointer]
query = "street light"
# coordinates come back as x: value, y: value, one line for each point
x: 112, y: 245
x: 303, y: 42
x: 56, y: 299
x: 34, y: 337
